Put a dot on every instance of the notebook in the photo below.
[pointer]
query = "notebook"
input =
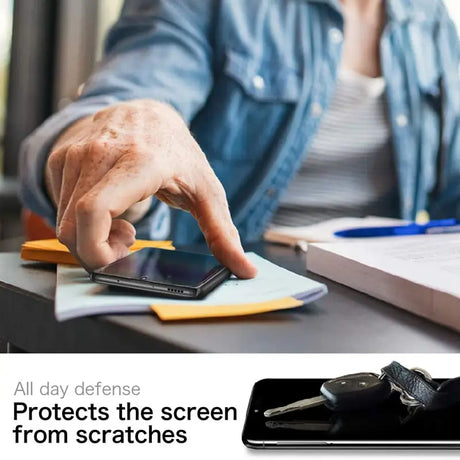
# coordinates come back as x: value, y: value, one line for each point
x: 324, y: 231
x: 274, y: 288
x: 419, y: 273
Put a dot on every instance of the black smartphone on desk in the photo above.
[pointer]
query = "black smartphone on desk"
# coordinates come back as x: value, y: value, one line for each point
x: 390, y: 425
x: 179, y: 274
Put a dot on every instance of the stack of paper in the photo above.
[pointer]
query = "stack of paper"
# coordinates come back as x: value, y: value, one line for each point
x: 274, y: 288
x: 52, y: 251
x: 418, y: 273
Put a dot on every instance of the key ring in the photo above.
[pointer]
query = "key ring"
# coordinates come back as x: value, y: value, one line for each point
x: 405, y: 397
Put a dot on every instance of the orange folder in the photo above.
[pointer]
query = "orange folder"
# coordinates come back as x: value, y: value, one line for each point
x: 54, y: 252
x: 173, y: 312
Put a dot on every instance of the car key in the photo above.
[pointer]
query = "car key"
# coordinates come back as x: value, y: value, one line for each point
x: 350, y: 392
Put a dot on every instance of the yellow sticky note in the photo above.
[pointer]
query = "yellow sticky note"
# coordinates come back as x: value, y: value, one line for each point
x: 54, y: 252
x: 177, y: 312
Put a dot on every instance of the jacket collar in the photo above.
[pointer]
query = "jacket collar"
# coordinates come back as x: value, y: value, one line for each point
x: 413, y: 10
x: 399, y: 10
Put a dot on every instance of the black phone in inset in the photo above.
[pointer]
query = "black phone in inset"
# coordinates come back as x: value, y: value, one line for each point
x: 390, y: 425
x: 179, y: 274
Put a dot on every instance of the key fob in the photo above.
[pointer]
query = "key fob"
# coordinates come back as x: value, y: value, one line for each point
x: 355, y: 392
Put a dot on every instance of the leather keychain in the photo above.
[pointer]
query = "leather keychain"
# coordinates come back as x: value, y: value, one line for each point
x: 418, y: 389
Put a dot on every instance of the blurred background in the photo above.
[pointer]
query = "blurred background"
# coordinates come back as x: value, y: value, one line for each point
x: 47, y: 50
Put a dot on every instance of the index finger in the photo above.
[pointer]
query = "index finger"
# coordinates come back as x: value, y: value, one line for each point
x: 108, y: 199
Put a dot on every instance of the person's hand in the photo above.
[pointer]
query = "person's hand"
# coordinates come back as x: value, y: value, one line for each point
x: 106, y: 168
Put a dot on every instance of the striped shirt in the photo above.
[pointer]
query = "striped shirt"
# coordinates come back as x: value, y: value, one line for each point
x: 349, y: 170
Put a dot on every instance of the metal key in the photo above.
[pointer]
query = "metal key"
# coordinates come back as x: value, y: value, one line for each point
x: 350, y: 392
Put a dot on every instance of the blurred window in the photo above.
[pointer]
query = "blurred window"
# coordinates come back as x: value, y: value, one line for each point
x: 6, y: 25
x: 82, y: 30
x: 109, y: 11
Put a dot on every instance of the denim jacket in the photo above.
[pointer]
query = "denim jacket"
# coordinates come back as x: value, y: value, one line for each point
x: 252, y: 79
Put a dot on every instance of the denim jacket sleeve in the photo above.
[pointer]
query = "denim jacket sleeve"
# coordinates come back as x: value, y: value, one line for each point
x: 447, y: 203
x: 158, y: 49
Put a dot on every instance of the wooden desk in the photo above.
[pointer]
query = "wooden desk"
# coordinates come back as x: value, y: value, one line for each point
x: 343, y: 321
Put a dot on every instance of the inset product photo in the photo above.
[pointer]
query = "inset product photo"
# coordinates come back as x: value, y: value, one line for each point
x: 396, y: 408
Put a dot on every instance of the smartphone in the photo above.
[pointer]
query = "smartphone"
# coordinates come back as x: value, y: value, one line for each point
x: 390, y: 425
x: 177, y: 274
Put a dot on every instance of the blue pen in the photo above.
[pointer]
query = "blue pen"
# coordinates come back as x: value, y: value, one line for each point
x: 432, y: 227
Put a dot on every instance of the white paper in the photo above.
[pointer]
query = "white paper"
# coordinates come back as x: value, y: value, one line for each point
x: 76, y: 295
x: 429, y: 260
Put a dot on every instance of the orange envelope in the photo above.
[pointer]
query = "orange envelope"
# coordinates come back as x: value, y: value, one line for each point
x: 54, y: 252
x: 171, y: 312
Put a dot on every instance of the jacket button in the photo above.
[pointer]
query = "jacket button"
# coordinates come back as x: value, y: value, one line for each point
x: 316, y: 109
x: 401, y: 120
x: 258, y: 82
x: 336, y: 35
x: 271, y: 192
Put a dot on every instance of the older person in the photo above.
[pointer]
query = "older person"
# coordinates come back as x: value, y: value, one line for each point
x: 203, y: 112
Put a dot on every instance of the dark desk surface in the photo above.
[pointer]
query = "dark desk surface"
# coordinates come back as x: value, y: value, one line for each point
x: 343, y: 321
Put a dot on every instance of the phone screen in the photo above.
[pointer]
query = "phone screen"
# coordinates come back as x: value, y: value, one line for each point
x: 390, y: 423
x: 164, y: 266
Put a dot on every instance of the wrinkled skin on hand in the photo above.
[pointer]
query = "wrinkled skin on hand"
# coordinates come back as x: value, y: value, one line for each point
x: 103, y: 171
